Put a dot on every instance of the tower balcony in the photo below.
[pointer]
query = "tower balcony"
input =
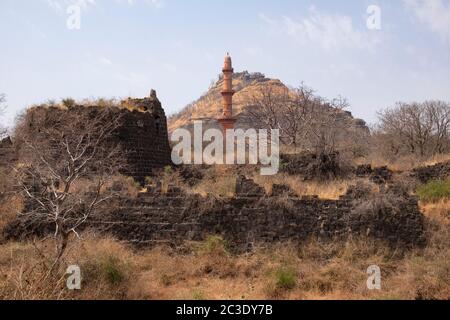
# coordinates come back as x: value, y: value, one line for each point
x: 228, y: 92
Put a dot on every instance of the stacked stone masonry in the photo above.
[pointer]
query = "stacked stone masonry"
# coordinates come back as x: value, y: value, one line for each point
x: 440, y: 171
x: 142, y: 134
x: 251, y: 219
x: 7, y: 152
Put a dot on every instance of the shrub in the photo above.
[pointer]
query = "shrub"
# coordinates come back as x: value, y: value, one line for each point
x: 168, y: 170
x: 286, y: 278
x: 108, y: 268
x: 125, y: 186
x: 112, y: 271
x: 221, y: 185
x: 133, y: 182
x: 434, y: 191
x: 214, y: 244
x: 198, y: 294
x: 68, y: 103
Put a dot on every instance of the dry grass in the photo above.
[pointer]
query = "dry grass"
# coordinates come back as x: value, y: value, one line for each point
x: 334, y: 270
x: 10, y: 206
x: 325, y: 190
x: 405, y: 163
x: 65, y: 104
x: 440, y: 158
x: 438, y: 211
x: 219, y: 181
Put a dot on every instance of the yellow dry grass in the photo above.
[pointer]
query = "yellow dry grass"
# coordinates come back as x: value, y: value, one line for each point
x: 440, y: 158
x: 331, y: 190
x: 219, y: 181
x: 439, y: 211
x: 10, y: 206
x: 335, y: 270
x: 405, y: 163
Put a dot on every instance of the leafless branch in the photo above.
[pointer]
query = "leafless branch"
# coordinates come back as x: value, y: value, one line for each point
x: 421, y: 129
x: 69, y: 156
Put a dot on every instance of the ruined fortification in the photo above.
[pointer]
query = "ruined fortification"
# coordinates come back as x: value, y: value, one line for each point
x: 253, y: 218
x: 142, y: 133
x: 144, y: 136
x: 7, y: 152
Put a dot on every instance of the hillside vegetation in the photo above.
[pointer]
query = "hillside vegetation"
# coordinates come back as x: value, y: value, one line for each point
x: 247, y: 86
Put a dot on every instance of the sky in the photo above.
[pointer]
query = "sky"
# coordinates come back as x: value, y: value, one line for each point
x: 374, y: 53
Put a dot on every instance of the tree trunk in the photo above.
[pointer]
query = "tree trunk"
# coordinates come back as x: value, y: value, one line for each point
x: 61, y: 246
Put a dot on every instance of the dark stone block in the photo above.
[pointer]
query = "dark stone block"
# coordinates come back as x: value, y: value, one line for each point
x: 247, y: 187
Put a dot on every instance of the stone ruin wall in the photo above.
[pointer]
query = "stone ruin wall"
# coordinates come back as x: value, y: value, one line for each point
x: 251, y: 219
x: 143, y: 134
x: 7, y: 152
x: 145, y: 138
x: 438, y: 171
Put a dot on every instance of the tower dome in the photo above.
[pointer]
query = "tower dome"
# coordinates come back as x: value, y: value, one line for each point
x: 227, y: 65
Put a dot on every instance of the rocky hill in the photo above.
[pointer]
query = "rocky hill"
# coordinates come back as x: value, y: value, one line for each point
x: 208, y: 107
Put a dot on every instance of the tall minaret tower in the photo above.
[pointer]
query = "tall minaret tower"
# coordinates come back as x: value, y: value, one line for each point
x: 226, y: 120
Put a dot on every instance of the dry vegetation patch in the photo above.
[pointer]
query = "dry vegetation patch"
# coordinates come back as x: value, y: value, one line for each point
x: 331, y: 190
x: 316, y: 270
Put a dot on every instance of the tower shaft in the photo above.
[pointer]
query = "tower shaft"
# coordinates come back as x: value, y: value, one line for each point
x: 226, y: 120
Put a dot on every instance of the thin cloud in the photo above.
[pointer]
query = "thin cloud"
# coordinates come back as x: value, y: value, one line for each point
x: 105, y: 61
x: 154, y: 3
x: 60, y: 6
x: 328, y: 31
x: 434, y: 13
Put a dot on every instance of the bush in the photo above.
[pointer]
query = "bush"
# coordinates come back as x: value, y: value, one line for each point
x: 286, y: 278
x: 198, y: 294
x: 112, y: 271
x: 434, y: 191
x: 107, y: 268
x: 125, y: 186
x: 168, y: 170
x: 68, y: 103
x: 214, y: 244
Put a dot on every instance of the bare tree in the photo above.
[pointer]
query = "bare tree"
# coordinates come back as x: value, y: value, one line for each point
x: 310, y: 123
x: 325, y: 128
x: 439, y: 113
x: 304, y: 119
x: 421, y: 129
x: 67, y: 159
x: 266, y: 106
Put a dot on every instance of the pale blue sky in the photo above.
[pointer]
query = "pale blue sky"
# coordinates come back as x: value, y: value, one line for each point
x: 126, y: 47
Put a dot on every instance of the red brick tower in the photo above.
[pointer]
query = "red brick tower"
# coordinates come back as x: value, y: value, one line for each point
x: 226, y: 120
